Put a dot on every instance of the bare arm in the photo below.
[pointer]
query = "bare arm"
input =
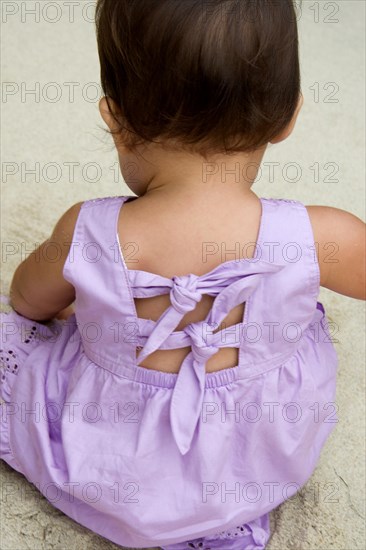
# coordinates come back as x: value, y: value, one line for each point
x: 340, y: 239
x: 38, y: 289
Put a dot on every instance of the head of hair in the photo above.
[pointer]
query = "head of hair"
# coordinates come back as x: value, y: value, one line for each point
x: 210, y: 75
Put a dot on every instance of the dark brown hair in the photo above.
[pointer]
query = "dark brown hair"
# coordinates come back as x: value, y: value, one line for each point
x: 212, y: 75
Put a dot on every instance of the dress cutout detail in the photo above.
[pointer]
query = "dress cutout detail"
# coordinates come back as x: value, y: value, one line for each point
x: 232, y: 283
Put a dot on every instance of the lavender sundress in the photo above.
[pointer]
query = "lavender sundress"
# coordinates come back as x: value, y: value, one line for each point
x: 189, y: 460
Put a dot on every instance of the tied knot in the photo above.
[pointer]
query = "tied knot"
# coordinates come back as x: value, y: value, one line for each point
x: 200, y: 335
x: 184, y: 295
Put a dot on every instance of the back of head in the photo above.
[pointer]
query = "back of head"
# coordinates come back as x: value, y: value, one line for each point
x: 207, y: 75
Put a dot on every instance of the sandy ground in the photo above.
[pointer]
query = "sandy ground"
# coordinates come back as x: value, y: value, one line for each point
x: 58, y: 127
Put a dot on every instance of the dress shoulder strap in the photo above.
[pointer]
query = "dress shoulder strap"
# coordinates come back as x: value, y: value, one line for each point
x: 283, y: 306
x: 104, y: 306
x: 287, y: 236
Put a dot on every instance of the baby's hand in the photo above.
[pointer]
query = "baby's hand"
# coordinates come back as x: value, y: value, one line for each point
x: 65, y: 313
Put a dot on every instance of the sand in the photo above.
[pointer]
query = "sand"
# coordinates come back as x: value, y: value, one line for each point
x: 62, y: 132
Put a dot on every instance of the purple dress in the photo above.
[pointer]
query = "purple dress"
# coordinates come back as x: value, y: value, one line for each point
x: 189, y: 460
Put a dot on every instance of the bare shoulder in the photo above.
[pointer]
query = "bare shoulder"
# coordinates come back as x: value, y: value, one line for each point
x: 339, y: 238
x: 65, y: 226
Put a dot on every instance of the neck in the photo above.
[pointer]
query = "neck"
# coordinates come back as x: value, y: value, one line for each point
x: 180, y: 174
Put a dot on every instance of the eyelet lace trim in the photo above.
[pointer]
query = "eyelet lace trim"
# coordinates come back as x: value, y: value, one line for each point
x: 8, y: 360
x: 241, y: 530
x: 28, y: 335
x: 237, y: 532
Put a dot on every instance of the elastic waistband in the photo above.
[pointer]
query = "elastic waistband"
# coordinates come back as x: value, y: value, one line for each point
x: 161, y: 379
